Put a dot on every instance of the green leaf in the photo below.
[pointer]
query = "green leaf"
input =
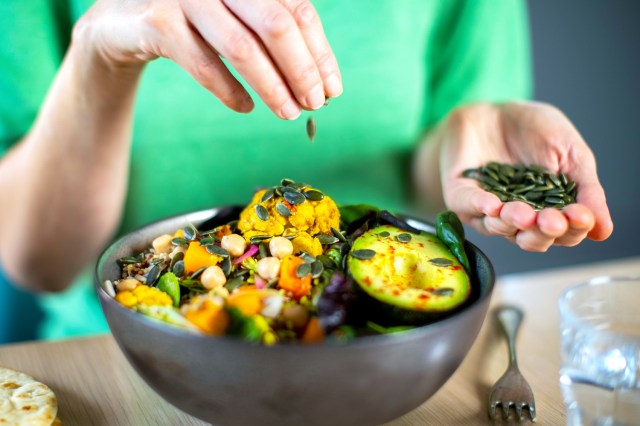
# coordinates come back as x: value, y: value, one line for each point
x: 351, y: 212
x: 386, y: 330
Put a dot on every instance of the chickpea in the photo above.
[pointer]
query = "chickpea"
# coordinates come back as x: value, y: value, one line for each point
x: 127, y: 284
x: 176, y: 250
x: 234, y: 244
x: 162, y: 244
x: 280, y: 247
x: 268, y: 267
x: 297, y: 314
x: 213, y: 277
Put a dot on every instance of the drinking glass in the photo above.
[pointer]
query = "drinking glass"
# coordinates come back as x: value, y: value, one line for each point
x: 600, y: 332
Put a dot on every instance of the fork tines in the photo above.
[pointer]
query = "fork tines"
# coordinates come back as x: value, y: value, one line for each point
x: 518, y: 407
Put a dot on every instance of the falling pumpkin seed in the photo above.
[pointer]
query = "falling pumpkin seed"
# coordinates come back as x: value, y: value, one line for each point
x: 311, y: 128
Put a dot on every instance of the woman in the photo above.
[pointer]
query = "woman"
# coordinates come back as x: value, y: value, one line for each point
x: 94, y: 145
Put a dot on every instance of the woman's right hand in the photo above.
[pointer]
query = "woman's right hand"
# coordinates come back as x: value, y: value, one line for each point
x: 277, y: 46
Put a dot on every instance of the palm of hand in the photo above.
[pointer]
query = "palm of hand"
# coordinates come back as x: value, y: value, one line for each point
x: 527, y: 133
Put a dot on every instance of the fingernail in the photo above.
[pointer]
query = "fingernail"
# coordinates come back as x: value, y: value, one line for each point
x: 291, y: 110
x: 334, y: 86
x: 315, y: 99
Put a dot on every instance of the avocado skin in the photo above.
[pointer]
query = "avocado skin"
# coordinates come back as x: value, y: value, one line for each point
x: 378, y: 302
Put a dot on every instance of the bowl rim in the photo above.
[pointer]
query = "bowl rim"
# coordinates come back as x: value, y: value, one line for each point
x: 370, y: 340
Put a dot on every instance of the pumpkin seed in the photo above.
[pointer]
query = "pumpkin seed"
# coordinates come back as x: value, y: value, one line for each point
x: 127, y: 260
x: 176, y: 258
x: 313, y: 195
x: 327, y: 239
x: 307, y: 257
x: 191, y: 284
x: 384, y: 234
x: 197, y: 273
x: 153, y: 275
x: 208, y: 241
x: 327, y: 262
x: 442, y: 291
x: 316, y: 269
x: 311, y: 128
x: 257, y: 239
x: 303, y: 270
x: 532, y: 184
x: 294, y: 197
x: 262, y: 212
x: 190, y: 232
x: 226, y: 266
x: 179, y: 241
x: 233, y: 283
x: 363, y: 254
x: 286, y: 181
x: 217, y: 250
x: 339, y: 235
x: 262, y: 249
x: 283, y: 209
x: 268, y: 195
x: 178, y: 268
x: 157, y: 261
x: 441, y: 261
x: 298, y: 186
x: 403, y: 238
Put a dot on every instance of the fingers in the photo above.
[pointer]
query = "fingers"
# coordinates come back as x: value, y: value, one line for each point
x: 537, y: 231
x: 241, y: 48
x: 279, y: 48
x: 469, y: 201
x: 189, y: 51
x: 591, y: 195
x: 514, y: 217
x: 313, y: 34
x: 279, y: 32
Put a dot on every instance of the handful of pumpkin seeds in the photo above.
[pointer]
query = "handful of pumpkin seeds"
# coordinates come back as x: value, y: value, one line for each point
x: 531, y: 184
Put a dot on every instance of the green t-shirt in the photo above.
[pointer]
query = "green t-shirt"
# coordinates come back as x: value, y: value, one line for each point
x: 405, y: 65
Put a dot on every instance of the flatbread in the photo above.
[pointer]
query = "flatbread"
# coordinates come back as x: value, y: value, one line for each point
x: 24, y: 401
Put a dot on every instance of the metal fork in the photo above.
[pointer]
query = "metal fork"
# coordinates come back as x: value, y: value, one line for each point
x: 511, y: 390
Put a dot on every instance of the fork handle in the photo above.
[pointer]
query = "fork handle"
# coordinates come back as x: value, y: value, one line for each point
x: 510, y: 318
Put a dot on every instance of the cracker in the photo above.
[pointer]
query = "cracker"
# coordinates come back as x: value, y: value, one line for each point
x: 25, y: 401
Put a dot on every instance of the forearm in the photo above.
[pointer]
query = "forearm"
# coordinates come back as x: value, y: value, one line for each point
x: 63, y: 186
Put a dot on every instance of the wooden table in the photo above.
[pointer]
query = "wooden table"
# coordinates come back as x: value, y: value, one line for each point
x: 96, y: 386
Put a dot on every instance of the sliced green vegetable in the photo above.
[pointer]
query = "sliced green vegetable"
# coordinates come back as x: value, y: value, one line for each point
x: 243, y: 326
x: 170, y: 284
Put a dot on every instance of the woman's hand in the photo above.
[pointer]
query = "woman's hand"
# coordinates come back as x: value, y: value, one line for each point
x: 277, y: 46
x: 527, y: 133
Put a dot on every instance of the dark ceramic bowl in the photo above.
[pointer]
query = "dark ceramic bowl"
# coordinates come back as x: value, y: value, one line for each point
x: 225, y: 381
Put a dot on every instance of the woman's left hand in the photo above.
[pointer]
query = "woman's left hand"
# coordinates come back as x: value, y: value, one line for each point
x: 514, y: 133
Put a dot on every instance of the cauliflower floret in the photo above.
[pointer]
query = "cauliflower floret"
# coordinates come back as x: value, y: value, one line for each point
x: 309, y: 218
x: 144, y: 295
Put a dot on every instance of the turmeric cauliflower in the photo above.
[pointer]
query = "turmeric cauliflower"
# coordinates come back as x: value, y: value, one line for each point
x: 304, y: 219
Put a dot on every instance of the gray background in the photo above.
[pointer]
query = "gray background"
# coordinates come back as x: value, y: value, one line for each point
x: 586, y: 57
x: 587, y: 62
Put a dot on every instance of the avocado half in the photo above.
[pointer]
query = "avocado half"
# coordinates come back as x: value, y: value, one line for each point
x: 406, y: 278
